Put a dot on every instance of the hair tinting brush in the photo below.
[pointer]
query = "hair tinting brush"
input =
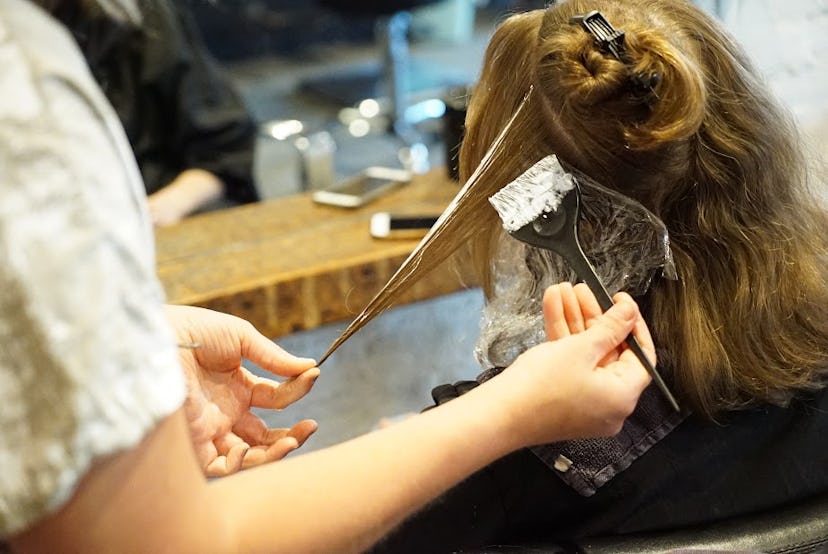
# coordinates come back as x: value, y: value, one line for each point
x: 541, y: 208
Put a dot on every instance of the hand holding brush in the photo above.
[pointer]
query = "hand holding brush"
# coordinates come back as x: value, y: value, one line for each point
x: 541, y: 208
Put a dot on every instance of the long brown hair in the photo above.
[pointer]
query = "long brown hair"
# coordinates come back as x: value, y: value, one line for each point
x: 703, y: 145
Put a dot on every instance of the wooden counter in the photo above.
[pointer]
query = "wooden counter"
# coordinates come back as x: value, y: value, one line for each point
x: 290, y: 264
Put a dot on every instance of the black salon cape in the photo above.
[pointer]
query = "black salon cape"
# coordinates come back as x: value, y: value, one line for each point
x: 178, y: 110
x: 750, y: 461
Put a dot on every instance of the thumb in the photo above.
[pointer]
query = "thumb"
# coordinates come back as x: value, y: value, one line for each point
x: 611, y: 328
x: 268, y: 355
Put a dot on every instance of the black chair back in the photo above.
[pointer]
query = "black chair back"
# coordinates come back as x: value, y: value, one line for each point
x: 800, y: 528
x: 795, y: 529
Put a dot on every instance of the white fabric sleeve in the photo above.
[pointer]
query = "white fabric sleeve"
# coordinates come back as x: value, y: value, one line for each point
x: 88, y: 362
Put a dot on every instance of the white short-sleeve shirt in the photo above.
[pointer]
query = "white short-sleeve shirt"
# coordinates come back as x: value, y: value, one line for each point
x: 88, y: 363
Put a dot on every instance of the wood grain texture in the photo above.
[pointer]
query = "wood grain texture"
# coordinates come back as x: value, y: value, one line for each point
x: 290, y: 264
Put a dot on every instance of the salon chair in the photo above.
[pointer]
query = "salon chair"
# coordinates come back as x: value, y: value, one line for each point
x: 794, y: 529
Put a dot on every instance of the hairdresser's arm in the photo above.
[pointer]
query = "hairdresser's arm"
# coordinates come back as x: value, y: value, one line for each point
x: 154, y: 497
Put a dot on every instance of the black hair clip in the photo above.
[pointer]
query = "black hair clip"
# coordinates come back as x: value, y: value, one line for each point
x: 609, y: 38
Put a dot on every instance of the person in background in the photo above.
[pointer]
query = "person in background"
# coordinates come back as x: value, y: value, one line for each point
x: 116, y: 408
x: 190, y: 130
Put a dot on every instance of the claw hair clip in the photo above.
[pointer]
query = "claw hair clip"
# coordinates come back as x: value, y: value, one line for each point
x: 611, y: 41
x: 608, y: 37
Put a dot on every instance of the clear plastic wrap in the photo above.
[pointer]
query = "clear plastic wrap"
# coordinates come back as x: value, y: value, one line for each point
x: 627, y: 245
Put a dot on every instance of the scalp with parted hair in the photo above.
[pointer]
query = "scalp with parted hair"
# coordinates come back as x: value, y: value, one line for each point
x: 683, y: 125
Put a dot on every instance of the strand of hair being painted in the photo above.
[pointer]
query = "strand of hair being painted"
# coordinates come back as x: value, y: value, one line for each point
x: 447, y: 223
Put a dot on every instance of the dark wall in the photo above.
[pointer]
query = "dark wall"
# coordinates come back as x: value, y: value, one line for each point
x: 239, y: 29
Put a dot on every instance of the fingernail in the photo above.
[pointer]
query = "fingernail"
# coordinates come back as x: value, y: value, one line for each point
x: 626, y: 309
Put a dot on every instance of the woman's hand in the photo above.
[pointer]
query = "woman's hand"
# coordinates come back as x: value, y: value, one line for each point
x: 585, y: 381
x: 226, y: 435
x: 569, y: 310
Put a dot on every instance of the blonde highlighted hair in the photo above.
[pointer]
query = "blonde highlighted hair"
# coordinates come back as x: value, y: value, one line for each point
x: 701, y: 144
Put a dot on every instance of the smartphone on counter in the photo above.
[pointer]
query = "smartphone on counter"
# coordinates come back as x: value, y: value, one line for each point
x: 363, y: 187
x: 390, y: 226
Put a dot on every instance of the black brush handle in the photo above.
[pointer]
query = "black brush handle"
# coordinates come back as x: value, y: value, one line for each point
x: 584, y: 270
x: 557, y: 230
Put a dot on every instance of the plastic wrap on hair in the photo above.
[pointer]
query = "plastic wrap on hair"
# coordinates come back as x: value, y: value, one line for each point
x: 627, y: 245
